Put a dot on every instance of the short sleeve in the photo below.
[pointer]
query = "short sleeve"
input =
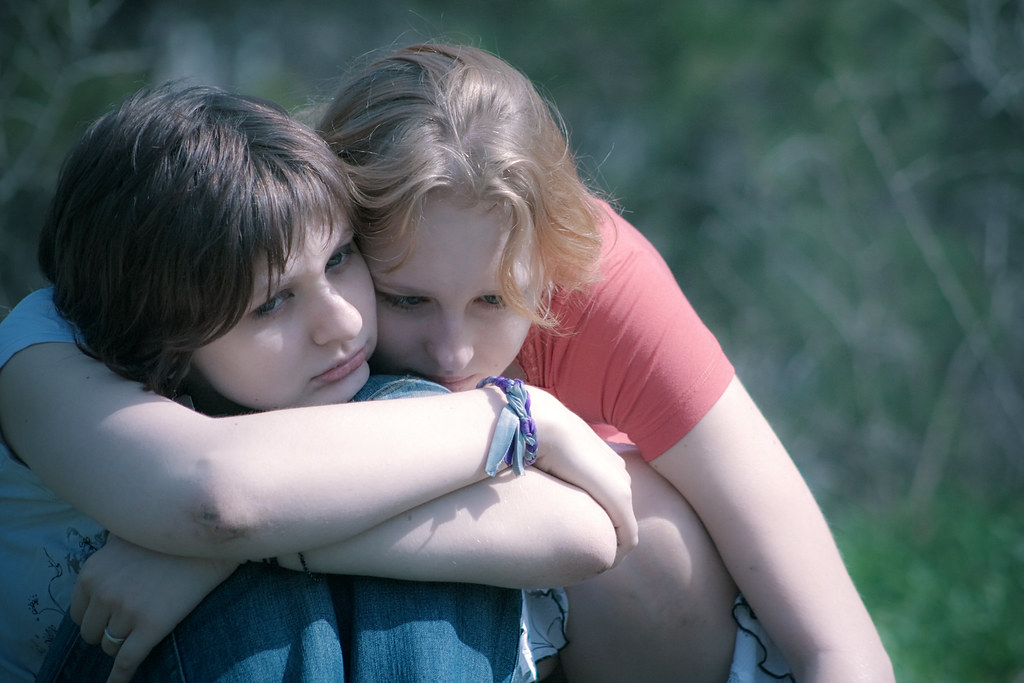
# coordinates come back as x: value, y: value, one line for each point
x: 34, y: 320
x: 633, y: 353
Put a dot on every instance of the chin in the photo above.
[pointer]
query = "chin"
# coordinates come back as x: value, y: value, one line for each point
x: 350, y: 386
x: 462, y: 385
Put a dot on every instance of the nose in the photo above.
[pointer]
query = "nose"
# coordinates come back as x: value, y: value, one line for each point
x: 334, y: 318
x: 451, y: 346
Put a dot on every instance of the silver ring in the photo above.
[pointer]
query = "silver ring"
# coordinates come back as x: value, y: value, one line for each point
x: 116, y: 642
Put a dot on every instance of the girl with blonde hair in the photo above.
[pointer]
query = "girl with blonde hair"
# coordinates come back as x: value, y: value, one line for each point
x: 490, y: 256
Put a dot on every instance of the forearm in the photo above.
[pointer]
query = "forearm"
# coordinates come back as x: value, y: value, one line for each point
x: 167, y: 478
x: 795, y: 579
x: 532, y: 531
x: 775, y: 542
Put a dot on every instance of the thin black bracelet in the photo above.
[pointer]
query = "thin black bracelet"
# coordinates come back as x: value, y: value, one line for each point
x: 305, y: 567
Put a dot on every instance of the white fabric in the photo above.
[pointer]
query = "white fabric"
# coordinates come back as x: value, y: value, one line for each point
x: 756, y: 658
x: 43, y: 540
x: 542, y: 632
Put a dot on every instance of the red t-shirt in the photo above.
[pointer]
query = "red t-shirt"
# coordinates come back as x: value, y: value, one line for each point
x: 632, y: 356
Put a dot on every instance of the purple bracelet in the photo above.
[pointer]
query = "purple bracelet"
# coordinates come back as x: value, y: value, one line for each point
x: 515, y: 436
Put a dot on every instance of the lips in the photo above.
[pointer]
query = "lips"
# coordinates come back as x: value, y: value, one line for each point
x: 343, y: 369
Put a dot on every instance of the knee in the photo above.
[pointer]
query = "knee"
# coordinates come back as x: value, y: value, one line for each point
x: 676, y: 555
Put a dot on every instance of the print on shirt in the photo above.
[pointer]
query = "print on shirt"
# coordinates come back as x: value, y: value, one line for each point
x: 82, y: 548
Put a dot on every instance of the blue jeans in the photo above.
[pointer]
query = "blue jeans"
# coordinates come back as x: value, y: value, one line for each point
x: 270, y: 624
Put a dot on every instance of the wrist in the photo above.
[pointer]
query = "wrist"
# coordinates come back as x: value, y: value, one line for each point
x: 515, y: 435
x: 562, y: 429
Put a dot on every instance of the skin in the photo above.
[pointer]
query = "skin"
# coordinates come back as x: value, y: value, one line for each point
x: 452, y: 330
x: 723, y: 508
x: 308, y: 342
x: 384, y: 515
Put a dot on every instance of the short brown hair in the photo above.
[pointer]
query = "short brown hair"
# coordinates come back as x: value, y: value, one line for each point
x: 164, y: 213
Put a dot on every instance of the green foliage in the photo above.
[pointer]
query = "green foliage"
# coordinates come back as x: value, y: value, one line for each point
x: 944, y: 586
x: 838, y: 186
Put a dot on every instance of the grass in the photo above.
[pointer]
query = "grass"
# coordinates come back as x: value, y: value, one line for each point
x: 946, y: 588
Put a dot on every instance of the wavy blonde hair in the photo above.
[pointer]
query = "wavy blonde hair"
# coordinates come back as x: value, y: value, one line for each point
x: 435, y: 119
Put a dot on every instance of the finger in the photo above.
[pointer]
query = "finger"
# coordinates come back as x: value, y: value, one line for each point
x: 132, y: 653
x: 627, y: 530
x: 627, y: 535
x: 94, y: 620
x: 614, y: 494
x: 618, y: 505
x: 79, y: 601
x: 111, y: 643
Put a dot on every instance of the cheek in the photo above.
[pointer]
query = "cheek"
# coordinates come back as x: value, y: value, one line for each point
x: 231, y: 374
x: 245, y: 370
x: 506, y: 339
x: 397, y: 336
x: 358, y: 288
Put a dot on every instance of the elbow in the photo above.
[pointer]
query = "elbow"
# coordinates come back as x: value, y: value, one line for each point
x: 588, y: 550
x: 593, y: 557
x: 221, y: 509
x: 197, y: 511
x: 598, y: 549
x: 575, y: 564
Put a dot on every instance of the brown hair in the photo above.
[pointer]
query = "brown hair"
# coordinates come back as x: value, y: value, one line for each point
x: 456, y: 119
x: 164, y: 215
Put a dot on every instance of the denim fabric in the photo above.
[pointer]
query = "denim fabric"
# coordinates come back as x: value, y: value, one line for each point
x: 428, y: 632
x: 380, y: 387
x: 287, y: 620
x: 271, y: 624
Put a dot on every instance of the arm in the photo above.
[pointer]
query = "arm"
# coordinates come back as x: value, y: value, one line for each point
x: 510, y: 531
x: 502, y: 531
x: 775, y: 542
x: 175, y: 481
x: 141, y: 594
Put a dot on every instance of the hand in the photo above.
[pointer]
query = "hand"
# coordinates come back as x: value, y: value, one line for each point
x: 571, y: 451
x: 138, y: 595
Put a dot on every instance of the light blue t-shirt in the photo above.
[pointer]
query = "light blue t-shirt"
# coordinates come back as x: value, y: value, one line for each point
x: 43, y: 540
x: 34, y: 320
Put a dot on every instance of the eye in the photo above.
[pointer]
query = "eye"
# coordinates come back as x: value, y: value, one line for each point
x: 340, y: 257
x: 493, y: 300
x: 399, y: 301
x: 271, y: 304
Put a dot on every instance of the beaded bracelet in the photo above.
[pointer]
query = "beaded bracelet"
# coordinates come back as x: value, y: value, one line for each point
x: 305, y: 568
x: 515, y: 428
x: 274, y: 562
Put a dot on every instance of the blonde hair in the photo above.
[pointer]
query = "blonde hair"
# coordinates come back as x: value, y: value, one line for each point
x: 457, y: 120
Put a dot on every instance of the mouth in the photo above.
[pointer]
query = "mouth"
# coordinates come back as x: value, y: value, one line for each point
x: 343, y: 369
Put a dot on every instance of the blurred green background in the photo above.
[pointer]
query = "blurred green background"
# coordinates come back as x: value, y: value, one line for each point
x: 837, y: 186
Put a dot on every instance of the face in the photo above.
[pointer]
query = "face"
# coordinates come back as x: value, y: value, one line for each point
x: 441, y: 314
x: 307, y: 344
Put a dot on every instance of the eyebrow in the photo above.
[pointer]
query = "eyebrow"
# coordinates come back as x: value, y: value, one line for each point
x: 266, y: 287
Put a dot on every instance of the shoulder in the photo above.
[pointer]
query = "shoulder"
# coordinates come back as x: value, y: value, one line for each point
x: 34, y: 320
x: 623, y: 246
x: 659, y: 367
